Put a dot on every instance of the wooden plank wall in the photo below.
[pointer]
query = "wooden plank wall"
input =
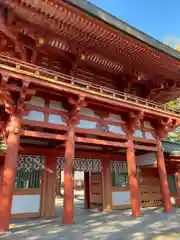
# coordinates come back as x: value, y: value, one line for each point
x: 150, y: 188
x: 96, y: 198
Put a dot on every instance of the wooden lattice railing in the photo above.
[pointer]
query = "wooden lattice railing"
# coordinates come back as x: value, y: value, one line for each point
x: 14, y: 65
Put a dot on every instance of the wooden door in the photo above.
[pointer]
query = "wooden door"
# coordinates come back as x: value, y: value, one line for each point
x: 96, y: 198
x: 150, y: 188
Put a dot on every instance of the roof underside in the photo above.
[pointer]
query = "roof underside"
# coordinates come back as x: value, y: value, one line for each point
x: 122, y: 26
x: 103, y: 41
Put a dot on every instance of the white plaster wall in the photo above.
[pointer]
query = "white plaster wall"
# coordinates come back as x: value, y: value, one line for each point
x: 146, y: 159
x: 86, y: 124
x: 35, y: 115
x: 25, y: 204
x: 116, y: 129
x: 87, y: 112
x: 114, y: 118
x: 55, y: 119
x: 138, y: 133
x: 56, y: 105
x: 120, y: 198
x: 148, y: 135
x: 37, y: 101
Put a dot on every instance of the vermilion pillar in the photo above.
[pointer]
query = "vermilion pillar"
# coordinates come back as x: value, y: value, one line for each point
x: 68, y: 208
x: 133, y: 182
x: 86, y: 190
x: 49, y: 185
x: 163, y: 177
x: 9, y: 172
x: 106, y: 185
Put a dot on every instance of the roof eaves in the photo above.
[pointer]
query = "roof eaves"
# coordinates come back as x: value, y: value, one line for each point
x: 122, y: 26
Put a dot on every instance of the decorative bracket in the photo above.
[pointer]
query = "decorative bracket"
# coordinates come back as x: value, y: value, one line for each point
x: 164, y: 126
x: 5, y: 95
x: 24, y: 93
x: 76, y: 106
x: 133, y: 119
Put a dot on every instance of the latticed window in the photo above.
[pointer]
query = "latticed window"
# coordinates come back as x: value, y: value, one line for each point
x: 29, y: 171
x: 119, y: 174
x: 119, y: 179
x: 27, y: 179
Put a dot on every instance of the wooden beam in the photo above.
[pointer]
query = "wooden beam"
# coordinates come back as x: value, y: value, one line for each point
x: 43, y: 135
x: 100, y: 142
x: 58, y: 86
x: 146, y: 148
x: 34, y: 123
x: 15, y: 88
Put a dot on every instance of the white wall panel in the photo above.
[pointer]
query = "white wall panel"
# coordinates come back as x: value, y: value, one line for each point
x: 35, y: 115
x: 138, y: 133
x: 114, y: 118
x: 56, y: 105
x: 148, y: 135
x: 87, y: 112
x: 146, y: 159
x: 120, y: 198
x: 25, y: 204
x: 55, y: 119
x: 37, y: 101
x: 116, y: 129
x: 86, y: 124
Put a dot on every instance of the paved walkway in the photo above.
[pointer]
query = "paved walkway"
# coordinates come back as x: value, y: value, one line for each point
x: 153, y: 225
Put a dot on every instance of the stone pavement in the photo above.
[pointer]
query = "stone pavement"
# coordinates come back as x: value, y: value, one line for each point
x: 153, y: 225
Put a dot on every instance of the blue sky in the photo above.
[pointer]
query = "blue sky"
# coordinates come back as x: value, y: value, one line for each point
x: 157, y: 18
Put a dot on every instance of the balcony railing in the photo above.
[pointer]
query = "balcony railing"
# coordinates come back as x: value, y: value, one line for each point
x: 15, y: 65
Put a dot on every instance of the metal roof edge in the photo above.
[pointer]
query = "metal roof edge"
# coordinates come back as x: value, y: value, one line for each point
x: 122, y: 26
x: 170, y: 147
x: 170, y: 142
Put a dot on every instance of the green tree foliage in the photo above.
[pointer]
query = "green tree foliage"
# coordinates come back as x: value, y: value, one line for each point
x: 175, y: 104
x: 175, y: 136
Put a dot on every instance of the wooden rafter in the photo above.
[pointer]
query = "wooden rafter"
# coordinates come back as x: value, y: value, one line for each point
x: 96, y: 36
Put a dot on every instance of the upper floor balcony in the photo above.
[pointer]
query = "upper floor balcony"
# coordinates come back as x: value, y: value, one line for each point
x: 69, y: 84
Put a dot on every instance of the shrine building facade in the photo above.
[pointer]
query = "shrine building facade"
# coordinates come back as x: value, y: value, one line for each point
x: 80, y: 90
